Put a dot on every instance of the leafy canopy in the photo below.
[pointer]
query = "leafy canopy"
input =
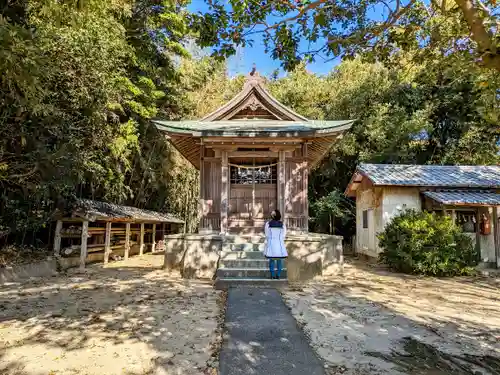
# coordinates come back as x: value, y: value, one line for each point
x: 302, y: 30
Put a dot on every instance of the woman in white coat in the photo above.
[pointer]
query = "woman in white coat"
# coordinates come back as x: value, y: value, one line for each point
x: 275, y: 250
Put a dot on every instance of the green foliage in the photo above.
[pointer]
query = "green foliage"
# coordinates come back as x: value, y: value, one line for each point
x: 330, y: 209
x: 426, y: 243
x: 297, y: 31
x: 79, y: 83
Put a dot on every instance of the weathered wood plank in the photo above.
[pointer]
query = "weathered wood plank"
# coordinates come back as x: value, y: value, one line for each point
x: 224, y: 192
x: 153, y: 239
x: 107, y: 243
x: 141, y: 240
x: 83, y: 246
x: 127, y: 241
x: 57, y: 238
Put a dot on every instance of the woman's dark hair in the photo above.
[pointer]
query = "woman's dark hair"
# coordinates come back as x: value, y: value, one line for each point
x: 276, y: 215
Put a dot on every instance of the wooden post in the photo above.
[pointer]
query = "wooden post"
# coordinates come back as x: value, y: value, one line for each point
x: 83, y: 248
x: 57, y: 238
x: 201, y: 201
x: 306, y: 188
x: 478, y: 235
x: 127, y: 240
x: 224, y: 203
x: 496, y: 234
x: 141, y: 240
x: 281, y: 184
x: 107, y: 243
x: 153, y: 242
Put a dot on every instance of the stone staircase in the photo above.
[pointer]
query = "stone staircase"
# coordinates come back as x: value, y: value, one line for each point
x: 242, y: 263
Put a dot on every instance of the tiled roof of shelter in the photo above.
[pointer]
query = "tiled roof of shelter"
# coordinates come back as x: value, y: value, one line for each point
x: 458, y: 198
x: 435, y: 176
x: 478, y: 176
x: 98, y: 210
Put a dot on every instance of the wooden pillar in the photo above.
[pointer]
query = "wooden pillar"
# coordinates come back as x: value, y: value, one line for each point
x: 224, y: 199
x: 57, y: 238
x: 83, y: 248
x: 107, y: 243
x: 127, y: 241
x: 281, y: 184
x: 153, y: 239
x: 141, y: 240
x: 306, y: 187
x: 496, y: 234
x: 201, y: 201
x: 478, y: 235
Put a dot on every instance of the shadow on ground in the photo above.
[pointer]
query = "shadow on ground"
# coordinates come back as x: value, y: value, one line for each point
x: 372, y: 321
x: 131, y: 318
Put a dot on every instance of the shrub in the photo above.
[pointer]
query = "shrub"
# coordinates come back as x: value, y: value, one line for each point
x: 426, y: 243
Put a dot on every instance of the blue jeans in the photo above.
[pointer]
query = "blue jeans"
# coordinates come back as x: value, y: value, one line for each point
x: 278, y: 266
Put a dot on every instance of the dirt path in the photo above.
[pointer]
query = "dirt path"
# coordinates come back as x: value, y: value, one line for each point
x: 368, y: 320
x: 130, y: 318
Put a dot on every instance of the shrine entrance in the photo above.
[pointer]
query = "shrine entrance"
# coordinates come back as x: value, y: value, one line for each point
x: 252, y: 193
x: 254, y: 155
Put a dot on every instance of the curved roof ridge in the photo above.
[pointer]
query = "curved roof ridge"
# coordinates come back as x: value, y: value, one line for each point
x: 254, y: 84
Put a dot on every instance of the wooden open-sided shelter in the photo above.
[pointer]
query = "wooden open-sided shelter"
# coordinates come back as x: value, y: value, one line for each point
x: 254, y: 155
x: 98, y: 229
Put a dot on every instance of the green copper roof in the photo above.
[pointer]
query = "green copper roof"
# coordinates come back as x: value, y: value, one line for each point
x: 238, y: 127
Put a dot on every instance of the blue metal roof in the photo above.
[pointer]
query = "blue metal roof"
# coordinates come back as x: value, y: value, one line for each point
x: 465, y: 197
x: 456, y: 176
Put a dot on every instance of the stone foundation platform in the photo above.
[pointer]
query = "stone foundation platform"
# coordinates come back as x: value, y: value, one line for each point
x: 198, y: 256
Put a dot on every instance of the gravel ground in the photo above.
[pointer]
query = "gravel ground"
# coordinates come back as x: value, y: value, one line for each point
x: 129, y: 318
x: 369, y: 321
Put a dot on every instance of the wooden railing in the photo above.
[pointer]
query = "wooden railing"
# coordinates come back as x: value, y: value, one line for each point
x: 210, y: 222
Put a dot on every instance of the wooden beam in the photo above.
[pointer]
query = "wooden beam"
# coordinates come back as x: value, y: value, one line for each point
x: 83, y: 246
x: 107, y: 243
x: 141, y: 240
x: 57, y: 238
x: 253, y: 154
x: 224, y: 204
x: 127, y: 241
x: 153, y: 239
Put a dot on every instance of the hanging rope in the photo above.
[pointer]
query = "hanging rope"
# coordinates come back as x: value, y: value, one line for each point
x: 252, y: 166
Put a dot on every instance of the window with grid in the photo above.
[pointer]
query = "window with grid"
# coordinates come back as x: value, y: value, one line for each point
x: 255, y: 175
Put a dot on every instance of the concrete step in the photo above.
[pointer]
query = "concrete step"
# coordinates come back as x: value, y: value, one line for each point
x: 242, y: 238
x: 244, y: 263
x: 233, y: 255
x: 246, y: 246
x: 226, y: 283
x: 246, y: 273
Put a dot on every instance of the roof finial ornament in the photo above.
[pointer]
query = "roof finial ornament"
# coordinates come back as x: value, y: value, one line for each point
x: 254, y: 70
x: 254, y: 78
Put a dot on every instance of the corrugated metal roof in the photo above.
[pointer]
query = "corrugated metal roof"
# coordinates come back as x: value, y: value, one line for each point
x: 478, y: 176
x: 105, y: 210
x: 235, y: 126
x: 465, y: 197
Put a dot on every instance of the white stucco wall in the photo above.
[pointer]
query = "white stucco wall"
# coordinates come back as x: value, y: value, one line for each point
x: 389, y: 202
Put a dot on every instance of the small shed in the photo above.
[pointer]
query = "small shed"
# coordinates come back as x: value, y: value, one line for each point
x: 96, y: 229
x: 469, y: 194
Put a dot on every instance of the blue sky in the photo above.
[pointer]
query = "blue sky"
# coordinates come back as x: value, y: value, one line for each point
x: 242, y: 62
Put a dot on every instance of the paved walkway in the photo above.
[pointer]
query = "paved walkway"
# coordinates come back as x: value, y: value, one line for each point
x: 263, y: 337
